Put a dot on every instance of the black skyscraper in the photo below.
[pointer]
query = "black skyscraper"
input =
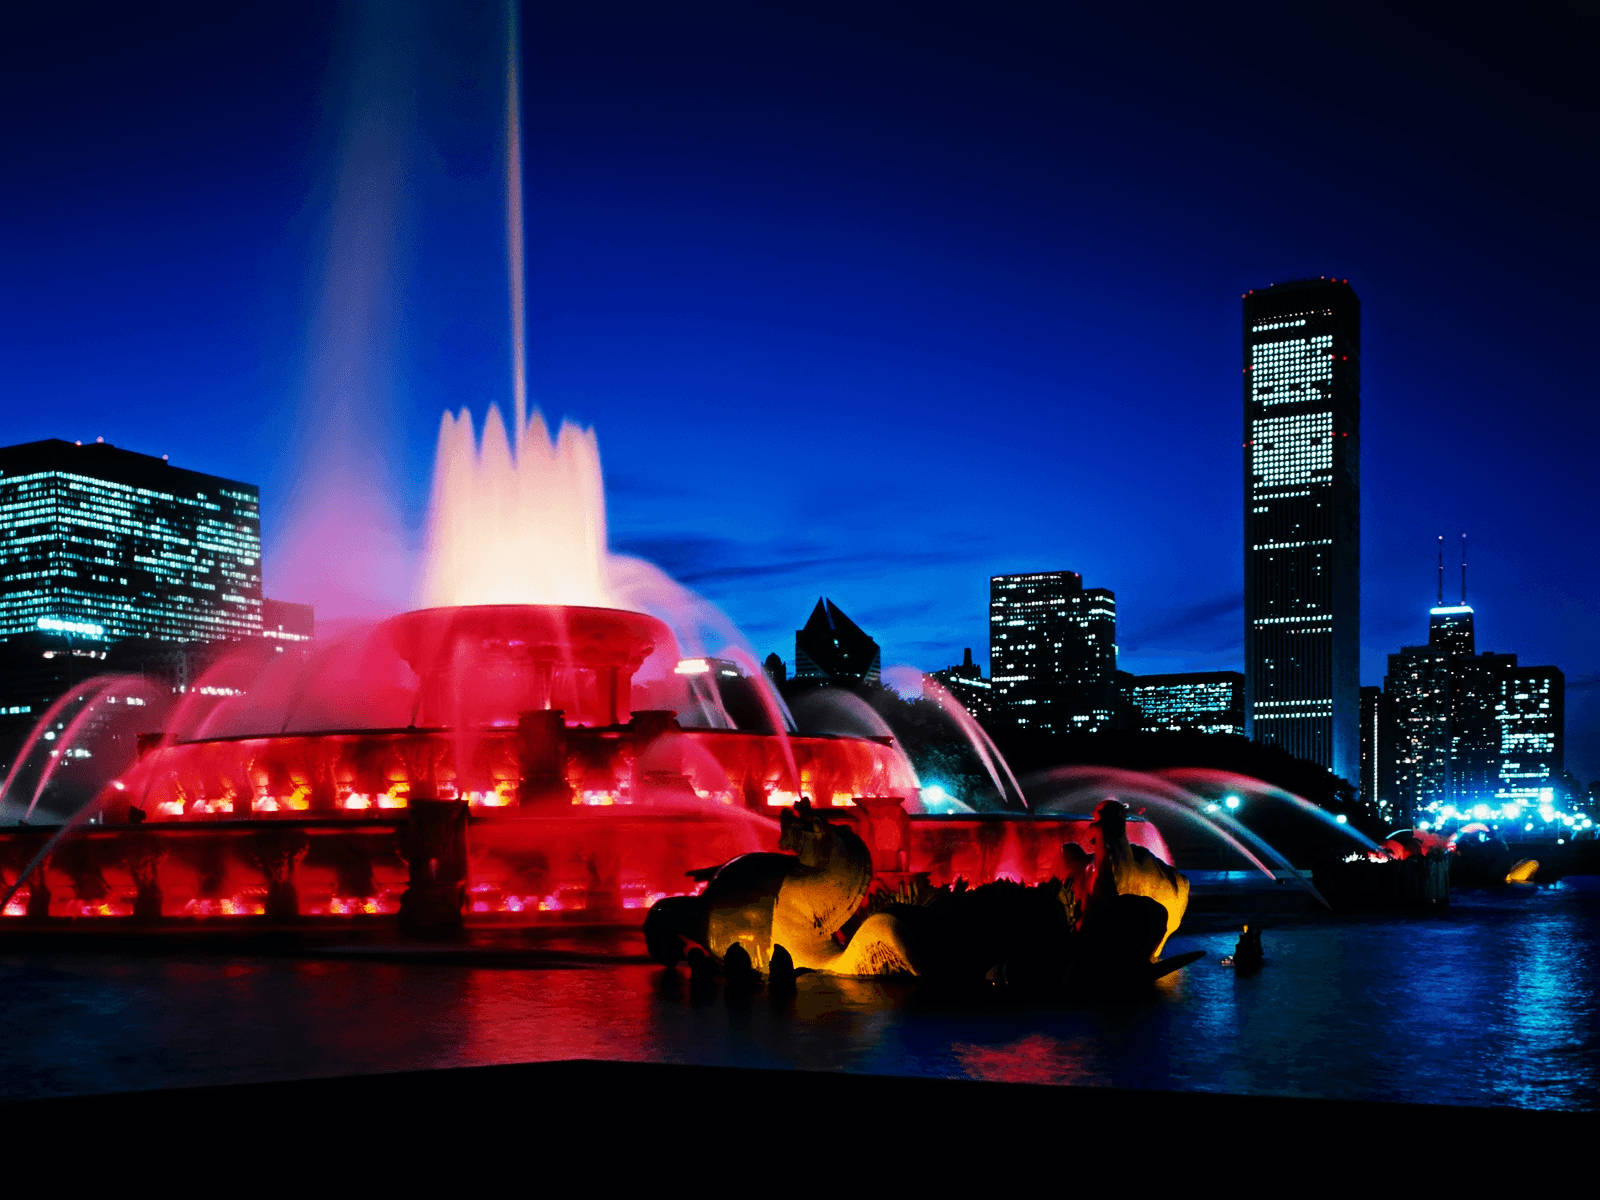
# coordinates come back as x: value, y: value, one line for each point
x: 833, y: 649
x: 1302, y: 390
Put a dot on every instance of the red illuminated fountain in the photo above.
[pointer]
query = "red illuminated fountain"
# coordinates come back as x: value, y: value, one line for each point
x: 501, y: 761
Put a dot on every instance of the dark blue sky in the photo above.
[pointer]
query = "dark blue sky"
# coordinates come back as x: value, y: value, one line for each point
x: 871, y: 301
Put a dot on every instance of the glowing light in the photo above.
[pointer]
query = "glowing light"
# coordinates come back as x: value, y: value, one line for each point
x: 85, y: 628
x: 1342, y: 819
x: 1232, y: 801
x: 692, y: 666
x: 780, y: 798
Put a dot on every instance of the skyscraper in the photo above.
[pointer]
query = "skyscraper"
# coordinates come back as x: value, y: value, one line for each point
x: 102, y: 544
x: 1053, y: 652
x: 833, y: 649
x: 1302, y: 389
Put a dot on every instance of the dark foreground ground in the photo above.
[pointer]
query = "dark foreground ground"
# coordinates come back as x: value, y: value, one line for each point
x: 641, y: 1117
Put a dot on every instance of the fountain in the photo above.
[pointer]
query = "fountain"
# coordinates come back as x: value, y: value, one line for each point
x: 541, y: 740
x: 526, y: 748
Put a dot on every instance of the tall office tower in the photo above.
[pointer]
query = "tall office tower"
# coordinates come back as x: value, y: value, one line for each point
x: 1418, y: 687
x: 1450, y: 626
x: 101, y: 544
x: 1471, y: 752
x: 1053, y: 652
x: 1531, y: 713
x: 1201, y: 702
x: 1302, y: 603
x: 1377, y: 751
x: 833, y: 649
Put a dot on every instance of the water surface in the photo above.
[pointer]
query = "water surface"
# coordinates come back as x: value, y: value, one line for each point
x: 1493, y: 1003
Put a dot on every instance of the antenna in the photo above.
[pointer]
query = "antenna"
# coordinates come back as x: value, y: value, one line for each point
x: 1441, y: 571
x: 1463, y: 569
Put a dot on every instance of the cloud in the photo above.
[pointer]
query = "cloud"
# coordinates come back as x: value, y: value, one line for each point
x: 696, y: 559
x: 1191, y: 624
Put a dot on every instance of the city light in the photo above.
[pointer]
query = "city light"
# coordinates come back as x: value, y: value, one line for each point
x: 85, y: 628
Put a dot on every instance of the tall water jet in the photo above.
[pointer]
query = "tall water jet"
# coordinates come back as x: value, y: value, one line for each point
x: 516, y: 259
x: 343, y: 544
x: 515, y: 519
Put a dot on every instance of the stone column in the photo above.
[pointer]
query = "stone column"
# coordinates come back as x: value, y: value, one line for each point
x: 542, y: 760
x: 434, y: 842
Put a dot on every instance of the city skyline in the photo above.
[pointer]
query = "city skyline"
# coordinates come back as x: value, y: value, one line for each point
x: 982, y: 345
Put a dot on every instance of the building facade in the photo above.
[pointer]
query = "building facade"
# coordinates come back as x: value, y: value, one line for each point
x: 1530, y: 711
x: 101, y: 544
x: 1302, y: 404
x: 966, y: 683
x: 1053, y: 652
x: 1377, y: 752
x: 1201, y: 702
x: 1418, y: 687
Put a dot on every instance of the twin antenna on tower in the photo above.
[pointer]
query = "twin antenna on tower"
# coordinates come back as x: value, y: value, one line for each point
x: 1463, y: 570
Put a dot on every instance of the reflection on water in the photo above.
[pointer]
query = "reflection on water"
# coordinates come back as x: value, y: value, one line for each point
x: 1494, y: 1003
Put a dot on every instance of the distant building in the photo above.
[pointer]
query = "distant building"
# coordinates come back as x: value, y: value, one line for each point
x: 966, y: 683
x: 1200, y: 702
x: 1531, y: 713
x: 101, y: 544
x: 1471, y: 730
x: 831, y: 648
x: 1302, y: 408
x: 1377, y: 752
x: 1053, y: 652
x: 776, y: 671
x: 287, y: 624
x: 1418, y: 687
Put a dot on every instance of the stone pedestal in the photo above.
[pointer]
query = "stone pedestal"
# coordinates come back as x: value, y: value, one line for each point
x: 276, y: 853
x: 542, y: 760
x: 434, y: 842
x: 143, y: 851
x: 885, y: 827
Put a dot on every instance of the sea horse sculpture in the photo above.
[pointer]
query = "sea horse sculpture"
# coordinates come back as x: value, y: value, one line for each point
x: 797, y: 900
x: 1119, y: 868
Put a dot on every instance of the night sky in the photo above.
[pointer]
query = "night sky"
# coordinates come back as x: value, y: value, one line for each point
x: 870, y: 301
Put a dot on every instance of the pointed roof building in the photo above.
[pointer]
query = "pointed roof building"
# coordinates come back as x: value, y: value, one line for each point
x: 833, y: 649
